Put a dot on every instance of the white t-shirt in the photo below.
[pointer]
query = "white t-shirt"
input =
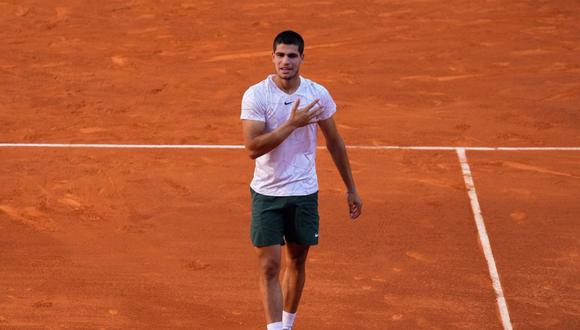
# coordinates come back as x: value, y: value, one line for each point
x: 289, y: 169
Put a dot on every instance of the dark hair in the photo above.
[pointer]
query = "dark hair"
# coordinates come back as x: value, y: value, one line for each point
x: 289, y: 38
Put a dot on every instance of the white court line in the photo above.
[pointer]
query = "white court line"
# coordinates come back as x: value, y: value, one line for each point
x: 225, y: 146
x: 484, y: 239
x: 121, y: 146
x: 466, y: 148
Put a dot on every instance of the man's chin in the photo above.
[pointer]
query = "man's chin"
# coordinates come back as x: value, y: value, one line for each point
x: 286, y: 76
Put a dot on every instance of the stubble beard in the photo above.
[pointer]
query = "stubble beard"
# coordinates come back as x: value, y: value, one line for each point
x: 289, y: 77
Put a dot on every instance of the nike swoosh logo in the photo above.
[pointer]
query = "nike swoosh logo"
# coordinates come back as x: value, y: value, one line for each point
x: 286, y: 103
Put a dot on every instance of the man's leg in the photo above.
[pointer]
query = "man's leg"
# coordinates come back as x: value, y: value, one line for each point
x: 269, y: 259
x: 294, y: 276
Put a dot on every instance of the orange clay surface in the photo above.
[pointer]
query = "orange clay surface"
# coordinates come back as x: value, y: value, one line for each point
x: 158, y: 239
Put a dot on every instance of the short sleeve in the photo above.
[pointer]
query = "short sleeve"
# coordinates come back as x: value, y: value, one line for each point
x: 329, y: 107
x: 252, y: 108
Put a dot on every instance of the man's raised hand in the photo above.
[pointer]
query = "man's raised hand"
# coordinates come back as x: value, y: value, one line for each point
x: 304, y: 116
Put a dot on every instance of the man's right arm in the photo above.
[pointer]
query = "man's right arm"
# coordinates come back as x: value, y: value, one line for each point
x: 259, y: 143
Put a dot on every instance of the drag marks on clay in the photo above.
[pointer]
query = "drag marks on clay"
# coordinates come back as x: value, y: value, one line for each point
x: 537, y: 169
x: 70, y: 201
x: 429, y: 78
x: 7, y: 10
x: 531, y: 52
x: 74, y: 208
x: 514, y: 137
x: 462, y: 127
x: 148, y: 30
x: 61, y: 199
x: 246, y: 55
x: 478, y: 21
x: 119, y: 60
x: 520, y: 193
x: 441, y: 183
x: 237, y: 56
x: 312, y: 3
x: 549, y: 30
x: 419, y: 257
x: 31, y: 217
x: 62, y: 13
x: 136, y: 228
x: 47, y: 65
x: 400, y: 12
x: 335, y: 44
x: 568, y: 258
x: 407, y: 304
x: 565, y: 91
x: 146, y: 16
x: 343, y: 126
x: 181, y: 189
x: 196, y: 265
x: 138, y: 222
x: 378, y: 279
x: 43, y: 304
x: 369, y: 283
x: 519, y: 217
x: 397, y: 269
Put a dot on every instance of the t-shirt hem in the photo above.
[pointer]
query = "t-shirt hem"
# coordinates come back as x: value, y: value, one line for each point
x: 273, y: 194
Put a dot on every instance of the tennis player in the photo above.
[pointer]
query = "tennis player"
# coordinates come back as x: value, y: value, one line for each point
x: 280, y: 116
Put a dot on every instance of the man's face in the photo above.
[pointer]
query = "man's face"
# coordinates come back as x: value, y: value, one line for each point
x: 287, y: 61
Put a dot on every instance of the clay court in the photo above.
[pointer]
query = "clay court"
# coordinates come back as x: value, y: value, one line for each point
x: 124, y: 199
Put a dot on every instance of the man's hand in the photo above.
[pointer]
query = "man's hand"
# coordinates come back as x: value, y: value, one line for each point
x: 259, y: 142
x: 304, y: 116
x: 354, y: 204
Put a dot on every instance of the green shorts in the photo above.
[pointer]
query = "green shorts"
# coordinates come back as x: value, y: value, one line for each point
x: 276, y: 220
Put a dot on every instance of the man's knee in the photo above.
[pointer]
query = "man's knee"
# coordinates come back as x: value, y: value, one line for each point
x: 296, y: 256
x: 270, y: 269
x: 296, y: 261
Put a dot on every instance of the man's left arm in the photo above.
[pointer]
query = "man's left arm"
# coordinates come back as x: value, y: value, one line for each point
x: 337, y: 149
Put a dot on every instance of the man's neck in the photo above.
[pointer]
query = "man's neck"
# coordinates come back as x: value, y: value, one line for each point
x: 288, y: 86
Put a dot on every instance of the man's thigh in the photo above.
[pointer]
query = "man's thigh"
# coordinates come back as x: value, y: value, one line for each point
x: 301, y: 225
x: 268, y: 213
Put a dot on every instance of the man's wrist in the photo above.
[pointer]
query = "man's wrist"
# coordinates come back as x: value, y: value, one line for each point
x: 291, y: 125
